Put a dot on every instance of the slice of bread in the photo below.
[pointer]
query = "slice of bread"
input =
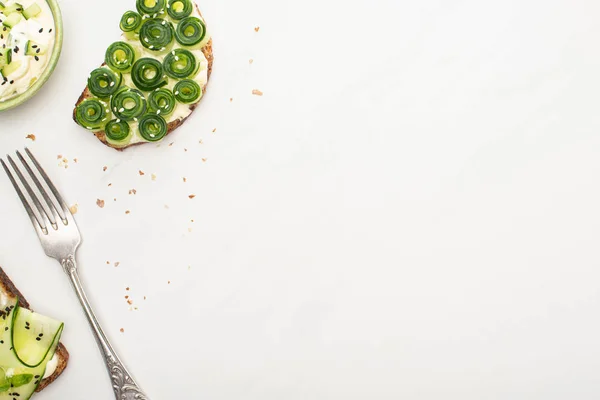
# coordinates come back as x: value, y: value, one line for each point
x: 101, y: 135
x: 9, y: 288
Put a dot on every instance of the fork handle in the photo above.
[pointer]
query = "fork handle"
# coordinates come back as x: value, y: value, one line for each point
x: 123, y: 383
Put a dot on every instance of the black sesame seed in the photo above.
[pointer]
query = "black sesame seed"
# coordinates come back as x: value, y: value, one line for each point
x: 34, y: 46
x: 36, y: 58
x: 37, y: 376
x: 38, y: 339
x: 38, y: 51
x: 11, y: 82
x: 41, y: 30
x: 50, y: 31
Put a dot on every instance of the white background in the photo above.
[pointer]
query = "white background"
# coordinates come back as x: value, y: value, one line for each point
x: 411, y: 211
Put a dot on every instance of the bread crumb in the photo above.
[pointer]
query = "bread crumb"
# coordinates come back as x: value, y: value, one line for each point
x: 250, y: 61
x: 122, y: 330
x: 74, y: 208
x: 257, y: 29
x: 127, y: 288
x: 133, y: 191
x: 144, y: 297
x: 30, y: 137
x: 129, y: 302
x: 108, y: 263
x: 204, y: 159
x: 100, y: 203
x: 58, y: 157
x: 153, y: 177
x: 141, y: 173
x: 117, y: 264
x: 104, y: 168
x: 230, y: 99
x: 127, y: 212
x: 214, y: 130
x: 200, y: 141
x: 184, y: 179
x: 75, y: 160
x: 191, y: 196
x: 110, y: 184
x: 169, y: 282
x: 171, y: 144
x: 126, y: 297
x: 257, y: 92
x: 166, y: 206
x: 115, y: 199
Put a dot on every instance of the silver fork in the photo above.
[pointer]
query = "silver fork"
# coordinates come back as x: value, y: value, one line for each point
x: 60, y: 238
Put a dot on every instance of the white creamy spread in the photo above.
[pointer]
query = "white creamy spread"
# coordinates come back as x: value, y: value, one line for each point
x: 181, y: 110
x: 51, y: 366
x: 39, y: 29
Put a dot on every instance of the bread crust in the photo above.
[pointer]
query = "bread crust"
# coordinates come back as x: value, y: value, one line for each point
x: 101, y: 135
x: 9, y: 288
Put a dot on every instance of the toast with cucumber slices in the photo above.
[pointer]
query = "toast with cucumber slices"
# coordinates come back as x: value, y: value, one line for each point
x: 152, y: 78
x: 31, y: 355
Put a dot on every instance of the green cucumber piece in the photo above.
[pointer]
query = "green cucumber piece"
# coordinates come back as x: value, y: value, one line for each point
x: 152, y: 127
x: 161, y: 101
x: 5, y: 57
x: 35, y: 49
x: 150, y: 7
x: 131, y: 22
x: 179, y: 9
x: 92, y: 114
x: 148, y: 74
x: 180, y: 64
x: 12, y: 20
x: 157, y: 34
x: 18, y: 381
x: 12, y: 67
x: 128, y: 104
x: 32, y: 11
x: 32, y: 336
x: 187, y: 91
x: 2, y: 7
x: 120, y: 57
x: 190, y: 31
x: 13, y: 8
x: 103, y: 82
x: 117, y: 131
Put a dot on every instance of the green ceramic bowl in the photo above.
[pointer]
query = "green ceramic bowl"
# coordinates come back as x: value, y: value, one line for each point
x: 23, y: 97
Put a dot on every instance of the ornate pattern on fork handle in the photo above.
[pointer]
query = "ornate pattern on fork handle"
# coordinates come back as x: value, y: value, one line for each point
x: 123, y: 384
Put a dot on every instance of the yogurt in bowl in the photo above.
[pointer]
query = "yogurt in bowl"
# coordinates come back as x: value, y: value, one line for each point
x: 30, y: 44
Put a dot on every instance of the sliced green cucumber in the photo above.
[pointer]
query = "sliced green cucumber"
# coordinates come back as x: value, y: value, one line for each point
x: 161, y: 101
x: 5, y: 57
x: 13, y: 8
x: 128, y: 104
x: 152, y: 127
x: 151, y: 7
x: 103, y: 82
x: 181, y: 64
x: 131, y: 22
x: 2, y: 6
x: 148, y: 74
x: 18, y: 381
x: 32, y: 11
x: 191, y: 31
x: 120, y: 56
x: 11, y: 68
x: 179, y: 9
x: 12, y: 20
x: 117, y: 131
x: 157, y: 34
x: 32, y: 336
x: 92, y: 114
x: 35, y: 49
x: 187, y: 91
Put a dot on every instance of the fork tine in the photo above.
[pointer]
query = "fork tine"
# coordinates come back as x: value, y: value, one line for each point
x: 40, y: 229
x: 55, y: 191
x: 49, y: 202
x: 42, y: 211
